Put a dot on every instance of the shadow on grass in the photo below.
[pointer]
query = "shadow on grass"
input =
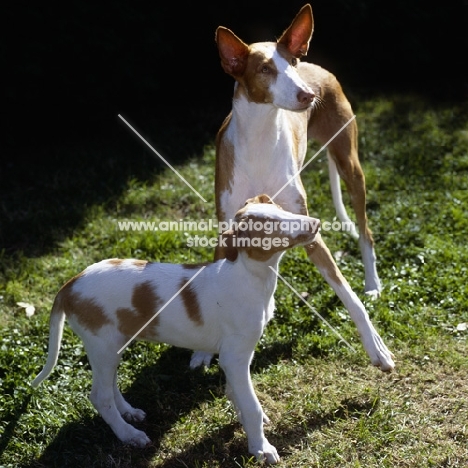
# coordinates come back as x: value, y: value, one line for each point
x: 212, y: 448
x: 421, y: 147
x: 13, y: 419
x: 167, y: 391
x: 48, y: 183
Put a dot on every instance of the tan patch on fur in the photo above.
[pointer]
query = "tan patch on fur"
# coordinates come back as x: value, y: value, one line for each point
x: 255, y: 81
x: 224, y: 174
x: 302, y: 202
x: 229, y: 252
x: 87, y: 312
x: 321, y: 257
x: 260, y: 254
x: 115, y: 261
x: 245, y: 239
x: 224, y: 168
x: 140, y: 263
x: 191, y: 304
x: 145, y: 303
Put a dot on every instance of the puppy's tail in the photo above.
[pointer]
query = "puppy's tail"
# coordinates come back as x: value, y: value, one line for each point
x: 57, y: 319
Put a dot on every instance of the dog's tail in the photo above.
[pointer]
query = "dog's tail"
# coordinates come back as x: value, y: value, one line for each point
x: 57, y: 319
x: 338, y: 198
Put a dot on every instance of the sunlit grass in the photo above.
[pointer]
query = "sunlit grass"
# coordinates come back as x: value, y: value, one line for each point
x: 328, y: 406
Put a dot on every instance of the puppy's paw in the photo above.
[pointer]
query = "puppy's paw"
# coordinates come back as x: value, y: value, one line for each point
x: 134, y: 437
x: 134, y: 415
x: 140, y: 441
x: 200, y: 358
x: 266, y: 453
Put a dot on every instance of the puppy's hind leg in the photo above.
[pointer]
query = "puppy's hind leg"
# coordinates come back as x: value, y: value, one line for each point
x: 128, y: 412
x: 104, y: 361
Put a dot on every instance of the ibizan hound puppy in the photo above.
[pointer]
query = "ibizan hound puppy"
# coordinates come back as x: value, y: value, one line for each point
x: 222, y: 307
x: 278, y: 103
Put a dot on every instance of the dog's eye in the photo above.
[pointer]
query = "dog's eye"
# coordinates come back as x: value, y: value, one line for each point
x: 294, y: 61
x: 265, y: 69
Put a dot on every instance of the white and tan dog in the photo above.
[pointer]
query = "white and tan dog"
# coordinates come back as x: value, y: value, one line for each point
x: 223, y: 310
x: 278, y: 103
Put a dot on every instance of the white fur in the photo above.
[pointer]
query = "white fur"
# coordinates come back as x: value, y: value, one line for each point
x: 235, y: 300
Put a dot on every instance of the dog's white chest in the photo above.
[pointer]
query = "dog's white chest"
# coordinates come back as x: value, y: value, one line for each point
x: 264, y: 162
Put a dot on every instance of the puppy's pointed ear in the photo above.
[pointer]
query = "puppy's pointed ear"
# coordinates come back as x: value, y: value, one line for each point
x: 227, y: 245
x: 298, y: 35
x: 232, y: 51
x: 263, y: 198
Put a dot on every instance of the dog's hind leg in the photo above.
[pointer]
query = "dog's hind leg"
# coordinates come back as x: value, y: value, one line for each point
x: 343, y: 160
x: 128, y: 412
x: 104, y: 361
x: 338, y: 198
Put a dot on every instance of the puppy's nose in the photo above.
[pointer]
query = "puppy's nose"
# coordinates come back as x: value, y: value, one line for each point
x: 305, y: 97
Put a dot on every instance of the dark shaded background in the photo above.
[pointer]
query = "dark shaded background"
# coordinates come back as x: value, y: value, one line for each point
x: 70, y: 68
x: 73, y: 66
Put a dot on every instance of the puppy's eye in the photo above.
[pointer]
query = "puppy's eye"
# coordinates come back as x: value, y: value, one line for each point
x: 294, y: 61
x: 265, y: 69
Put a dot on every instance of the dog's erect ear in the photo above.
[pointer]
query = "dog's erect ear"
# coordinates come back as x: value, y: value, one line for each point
x: 297, y: 37
x: 232, y: 51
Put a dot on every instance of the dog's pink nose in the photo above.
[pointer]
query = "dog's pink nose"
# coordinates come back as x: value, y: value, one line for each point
x: 305, y: 97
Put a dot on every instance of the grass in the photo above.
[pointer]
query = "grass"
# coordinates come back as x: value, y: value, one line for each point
x: 328, y: 406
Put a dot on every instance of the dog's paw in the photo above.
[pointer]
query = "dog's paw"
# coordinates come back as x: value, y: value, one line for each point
x: 373, y: 294
x: 134, y: 437
x: 134, y: 415
x: 379, y: 354
x: 140, y: 441
x: 200, y: 358
x: 266, y: 453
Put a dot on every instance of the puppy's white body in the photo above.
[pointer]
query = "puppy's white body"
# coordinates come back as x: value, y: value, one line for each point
x: 222, y: 307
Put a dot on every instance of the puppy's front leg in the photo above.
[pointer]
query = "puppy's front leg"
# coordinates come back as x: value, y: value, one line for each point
x: 230, y: 395
x: 235, y: 361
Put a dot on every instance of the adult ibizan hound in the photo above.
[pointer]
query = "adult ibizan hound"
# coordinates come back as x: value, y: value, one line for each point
x: 278, y: 103
x: 221, y: 307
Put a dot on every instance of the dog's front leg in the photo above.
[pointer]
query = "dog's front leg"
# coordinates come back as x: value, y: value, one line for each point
x: 235, y: 362
x: 230, y: 395
x: 379, y: 354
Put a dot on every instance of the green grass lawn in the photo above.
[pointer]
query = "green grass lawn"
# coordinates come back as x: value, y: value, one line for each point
x: 328, y: 406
